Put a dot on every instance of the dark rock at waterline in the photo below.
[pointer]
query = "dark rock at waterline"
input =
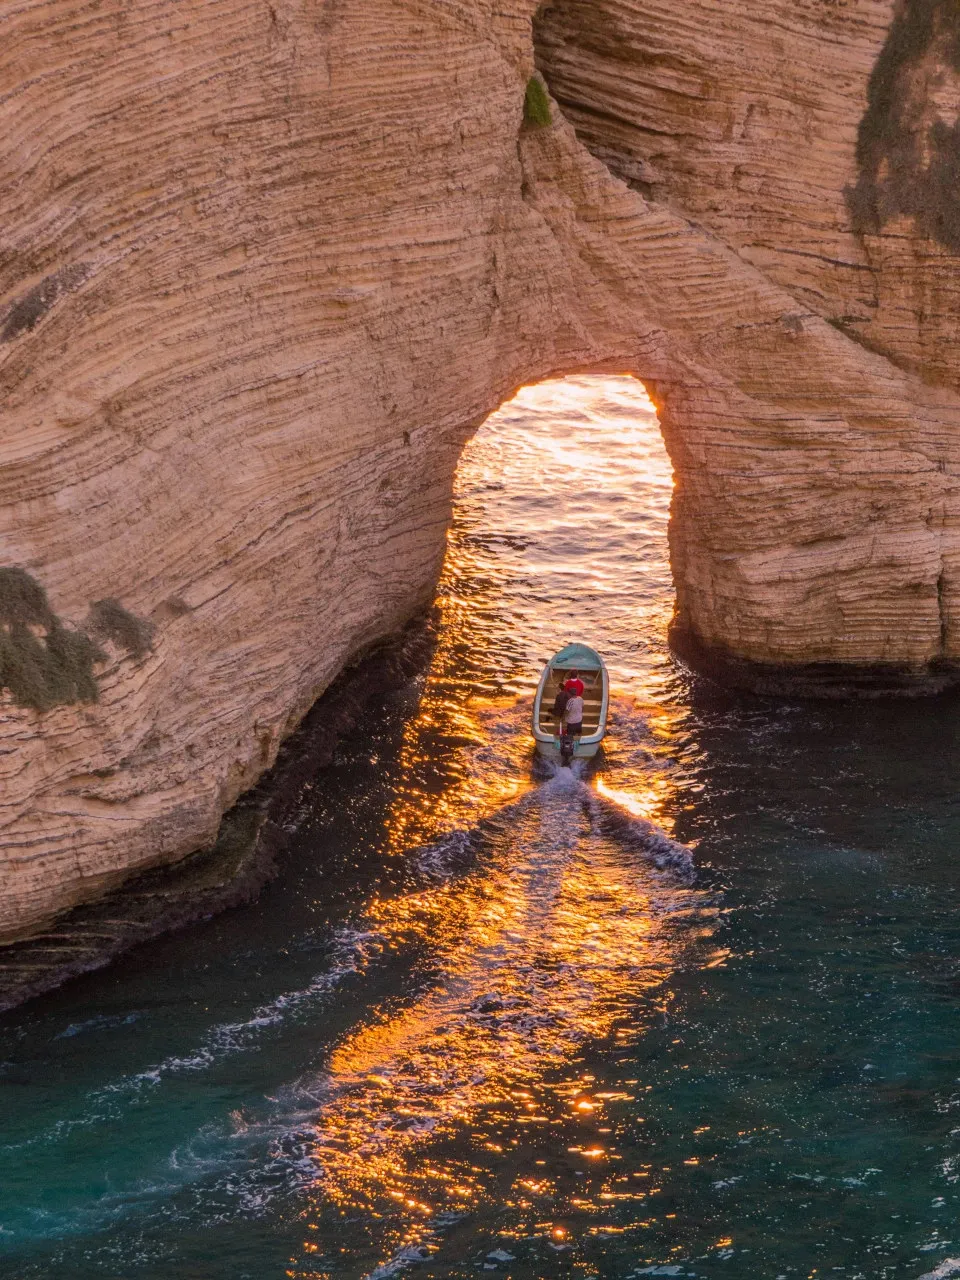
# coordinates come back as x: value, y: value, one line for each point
x: 835, y: 680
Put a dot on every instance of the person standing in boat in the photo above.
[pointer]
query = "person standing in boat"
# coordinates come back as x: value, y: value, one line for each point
x: 574, y: 685
x: 560, y: 706
x: 573, y: 714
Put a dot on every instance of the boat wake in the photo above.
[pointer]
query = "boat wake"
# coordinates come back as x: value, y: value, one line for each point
x: 570, y: 912
x: 550, y: 921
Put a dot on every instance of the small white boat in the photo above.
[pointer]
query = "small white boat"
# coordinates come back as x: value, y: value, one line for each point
x: 596, y: 696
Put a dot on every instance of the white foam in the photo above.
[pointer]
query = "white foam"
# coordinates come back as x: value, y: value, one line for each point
x: 437, y: 860
x: 350, y: 955
x: 652, y: 841
x: 948, y: 1267
x: 100, y: 1023
x: 408, y: 1256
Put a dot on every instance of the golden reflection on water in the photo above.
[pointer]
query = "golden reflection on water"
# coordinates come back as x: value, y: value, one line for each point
x: 648, y: 799
x: 557, y: 935
x: 554, y: 941
x: 471, y: 778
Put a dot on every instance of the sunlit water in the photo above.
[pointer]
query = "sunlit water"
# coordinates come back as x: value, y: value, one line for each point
x: 691, y: 1011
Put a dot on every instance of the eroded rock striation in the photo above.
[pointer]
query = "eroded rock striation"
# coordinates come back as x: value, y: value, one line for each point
x: 265, y: 266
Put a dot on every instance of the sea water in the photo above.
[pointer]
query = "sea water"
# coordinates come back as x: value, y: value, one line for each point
x: 690, y: 1010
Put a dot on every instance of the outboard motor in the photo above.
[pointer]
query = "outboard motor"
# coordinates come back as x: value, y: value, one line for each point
x: 567, y: 748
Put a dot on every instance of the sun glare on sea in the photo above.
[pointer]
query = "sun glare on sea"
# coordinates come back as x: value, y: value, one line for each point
x: 621, y: 401
x: 562, y: 503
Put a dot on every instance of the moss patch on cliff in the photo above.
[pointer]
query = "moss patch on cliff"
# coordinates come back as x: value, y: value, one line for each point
x: 42, y: 662
x: 536, y: 104
x: 25, y: 313
x: 908, y: 154
x: 111, y: 621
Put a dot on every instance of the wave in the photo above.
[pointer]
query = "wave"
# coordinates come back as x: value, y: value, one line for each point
x: 350, y: 954
x: 642, y: 836
x: 102, y: 1022
x: 353, y: 949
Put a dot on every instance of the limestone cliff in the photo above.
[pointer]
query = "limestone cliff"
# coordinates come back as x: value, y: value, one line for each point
x: 264, y: 266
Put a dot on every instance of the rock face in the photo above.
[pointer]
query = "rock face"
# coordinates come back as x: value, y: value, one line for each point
x: 265, y: 266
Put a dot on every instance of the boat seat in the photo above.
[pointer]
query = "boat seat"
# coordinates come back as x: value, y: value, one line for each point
x: 592, y: 698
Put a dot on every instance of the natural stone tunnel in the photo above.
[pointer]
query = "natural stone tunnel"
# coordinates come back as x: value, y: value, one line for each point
x: 265, y: 267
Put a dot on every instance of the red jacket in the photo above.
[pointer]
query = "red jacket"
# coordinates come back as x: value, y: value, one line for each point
x: 574, y: 686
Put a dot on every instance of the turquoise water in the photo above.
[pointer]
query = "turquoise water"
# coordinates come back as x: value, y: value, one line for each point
x: 692, y: 1012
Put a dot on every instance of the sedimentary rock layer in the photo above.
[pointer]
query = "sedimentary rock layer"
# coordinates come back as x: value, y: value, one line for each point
x: 264, y: 266
x: 817, y: 138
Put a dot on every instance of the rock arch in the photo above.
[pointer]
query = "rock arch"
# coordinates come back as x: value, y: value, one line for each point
x: 295, y: 260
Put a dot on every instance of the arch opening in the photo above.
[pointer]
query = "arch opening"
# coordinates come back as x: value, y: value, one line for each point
x: 561, y: 508
x: 559, y: 532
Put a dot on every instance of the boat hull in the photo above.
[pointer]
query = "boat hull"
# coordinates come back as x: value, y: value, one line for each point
x: 591, y: 666
x: 551, y: 750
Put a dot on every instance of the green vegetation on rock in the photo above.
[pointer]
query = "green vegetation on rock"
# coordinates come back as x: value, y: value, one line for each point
x: 905, y: 166
x: 42, y: 662
x: 111, y: 621
x: 536, y: 104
